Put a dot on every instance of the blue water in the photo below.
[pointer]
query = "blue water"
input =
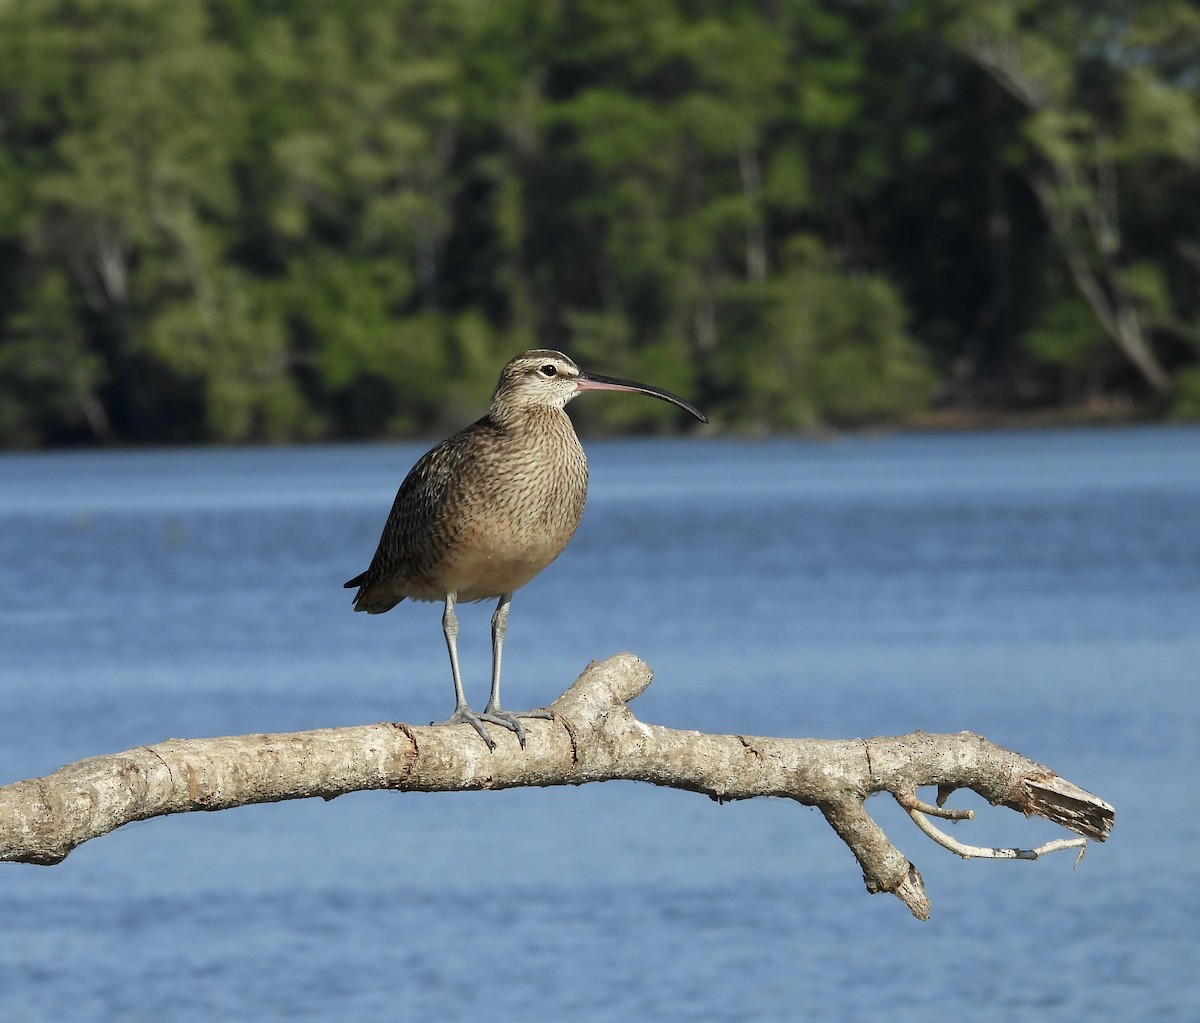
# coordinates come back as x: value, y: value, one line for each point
x: 1041, y: 588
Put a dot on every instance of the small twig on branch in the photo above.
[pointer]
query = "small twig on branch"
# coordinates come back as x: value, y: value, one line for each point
x: 910, y: 802
x: 920, y: 812
x: 967, y: 852
x: 593, y: 736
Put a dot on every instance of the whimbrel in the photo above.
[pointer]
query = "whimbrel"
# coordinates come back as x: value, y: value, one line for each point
x: 487, y: 509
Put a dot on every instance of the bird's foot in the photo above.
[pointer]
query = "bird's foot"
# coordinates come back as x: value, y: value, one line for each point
x: 511, y: 719
x: 463, y: 715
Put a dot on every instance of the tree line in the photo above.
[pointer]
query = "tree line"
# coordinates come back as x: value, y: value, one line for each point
x: 243, y: 220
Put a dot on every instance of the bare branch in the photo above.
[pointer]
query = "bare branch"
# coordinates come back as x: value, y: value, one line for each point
x: 968, y: 852
x: 910, y: 802
x: 593, y: 736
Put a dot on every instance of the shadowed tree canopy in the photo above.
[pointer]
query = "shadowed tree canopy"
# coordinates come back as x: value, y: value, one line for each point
x: 241, y: 220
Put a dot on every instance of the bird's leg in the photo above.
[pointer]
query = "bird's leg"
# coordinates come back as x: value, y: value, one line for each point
x: 462, y: 713
x: 499, y: 628
x: 492, y: 711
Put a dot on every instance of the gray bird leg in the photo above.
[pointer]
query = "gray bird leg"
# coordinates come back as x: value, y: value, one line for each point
x: 492, y: 711
x: 499, y: 628
x: 462, y: 713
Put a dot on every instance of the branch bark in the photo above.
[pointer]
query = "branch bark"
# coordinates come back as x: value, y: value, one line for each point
x: 593, y: 736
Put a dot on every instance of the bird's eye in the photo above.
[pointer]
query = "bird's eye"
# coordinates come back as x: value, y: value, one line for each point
x: 548, y: 370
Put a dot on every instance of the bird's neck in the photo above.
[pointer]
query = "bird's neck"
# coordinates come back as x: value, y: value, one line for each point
x: 530, y: 418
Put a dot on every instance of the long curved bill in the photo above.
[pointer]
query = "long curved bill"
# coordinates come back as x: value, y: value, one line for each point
x: 595, y: 382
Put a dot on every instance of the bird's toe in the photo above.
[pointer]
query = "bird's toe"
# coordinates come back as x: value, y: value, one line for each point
x: 465, y: 716
x: 496, y: 716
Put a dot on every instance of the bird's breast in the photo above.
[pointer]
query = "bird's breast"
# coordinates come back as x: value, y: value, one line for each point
x: 518, y: 511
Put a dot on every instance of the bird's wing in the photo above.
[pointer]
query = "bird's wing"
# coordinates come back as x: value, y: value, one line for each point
x: 420, y: 523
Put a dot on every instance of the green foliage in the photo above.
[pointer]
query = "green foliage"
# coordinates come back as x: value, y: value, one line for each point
x: 263, y: 221
x: 1186, y: 403
x: 1066, y: 336
x: 1077, y: 355
x: 824, y: 346
x: 48, y: 377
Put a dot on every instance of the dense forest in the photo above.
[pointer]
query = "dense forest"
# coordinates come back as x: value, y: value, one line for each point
x: 246, y: 220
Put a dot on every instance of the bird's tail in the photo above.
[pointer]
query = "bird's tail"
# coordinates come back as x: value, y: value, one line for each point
x: 364, y: 600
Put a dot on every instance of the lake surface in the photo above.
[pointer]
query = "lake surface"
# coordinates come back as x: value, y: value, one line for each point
x: 1040, y: 588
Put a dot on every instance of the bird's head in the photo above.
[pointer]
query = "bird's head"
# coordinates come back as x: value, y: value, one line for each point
x: 545, y: 377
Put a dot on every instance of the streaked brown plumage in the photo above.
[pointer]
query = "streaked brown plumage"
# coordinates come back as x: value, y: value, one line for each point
x: 486, y: 510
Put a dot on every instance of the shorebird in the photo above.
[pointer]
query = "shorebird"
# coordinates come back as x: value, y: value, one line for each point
x: 486, y: 510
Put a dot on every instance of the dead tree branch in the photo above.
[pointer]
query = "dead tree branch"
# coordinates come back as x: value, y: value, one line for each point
x: 592, y: 737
